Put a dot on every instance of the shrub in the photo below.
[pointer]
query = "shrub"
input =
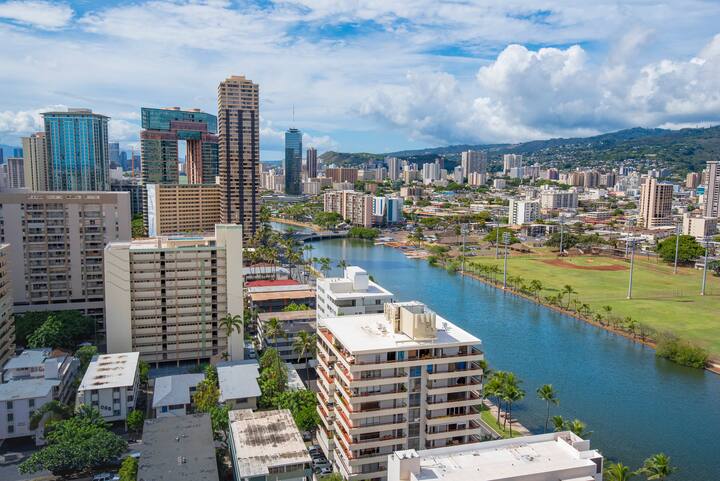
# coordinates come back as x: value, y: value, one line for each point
x: 681, y: 352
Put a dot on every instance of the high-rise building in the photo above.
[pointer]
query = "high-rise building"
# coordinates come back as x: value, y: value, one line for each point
x: 711, y: 198
x: 402, y: 379
x: 473, y: 161
x: 692, y: 180
x: 132, y: 186
x: 312, y: 163
x: 165, y: 296
x: 523, y: 211
x: 57, y: 242
x: 512, y: 161
x: 162, y: 129
x: 655, y: 204
x: 558, y: 199
x: 591, y: 179
x: 36, y: 165
x: 77, y: 150
x: 16, y: 172
x: 293, y: 161
x: 393, y: 168
x: 352, y: 294
x: 114, y: 154
x: 608, y: 180
x: 7, y: 322
x: 355, y: 207
x: 182, y: 208
x: 239, y: 137
x: 342, y: 174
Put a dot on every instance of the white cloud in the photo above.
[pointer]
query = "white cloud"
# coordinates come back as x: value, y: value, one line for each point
x: 273, y: 139
x: 40, y: 14
x: 24, y: 122
x: 123, y: 131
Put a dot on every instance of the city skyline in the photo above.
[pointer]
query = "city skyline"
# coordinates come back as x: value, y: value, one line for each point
x: 501, y: 73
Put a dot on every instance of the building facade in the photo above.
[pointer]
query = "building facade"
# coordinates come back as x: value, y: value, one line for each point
x: 558, y: 199
x: 655, y: 204
x: 182, y: 208
x: 404, y: 379
x: 165, y: 297
x: 355, y: 207
x: 111, y: 384
x: 312, y: 163
x: 523, y: 211
x: 239, y: 152
x: 56, y: 247
x: 36, y: 163
x: 342, y: 174
x: 16, y: 172
x: 699, y: 227
x: 711, y: 197
x: 77, y: 150
x: 473, y: 161
x: 352, y: 294
x: 512, y: 161
x: 7, y: 320
x: 293, y: 161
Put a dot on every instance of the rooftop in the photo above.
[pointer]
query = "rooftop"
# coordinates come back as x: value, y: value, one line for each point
x: 265, y: 439
x: 27, y: 389
x: 307, y: 314
x: 171, y: 390
x: 278, y: 282
x: 178, y: 448
x: 28, y: 358
x: 519, y: 458
x: 111, y: 370
x: 282, y: 295
x: 355, y: 283
x: 375, y: 333
x: 238, y: 379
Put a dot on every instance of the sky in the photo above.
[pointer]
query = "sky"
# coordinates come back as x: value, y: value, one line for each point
x: 374, y: 75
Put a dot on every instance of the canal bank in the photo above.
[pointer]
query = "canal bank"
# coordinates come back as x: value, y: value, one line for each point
x: 636, y: 405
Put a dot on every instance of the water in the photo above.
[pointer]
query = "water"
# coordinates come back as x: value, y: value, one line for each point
x: 634, y: 404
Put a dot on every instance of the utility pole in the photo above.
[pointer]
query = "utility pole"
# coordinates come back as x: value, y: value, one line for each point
x: 506, y: 240
x: 631, y: 241
x: 704, y: 278
x: 463, y: 231
x: 677, y: 246
x: 497, y: 238
x: 562, y: 232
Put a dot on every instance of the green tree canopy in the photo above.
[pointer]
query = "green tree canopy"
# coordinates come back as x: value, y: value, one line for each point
x: 128, y: 469
x: 74, y: 328
x: 688, y: 250
x: 135, y: 421
x: 85, y: 355
x: 273, y: 377
x: 492, y: 236
x: 302, y: 405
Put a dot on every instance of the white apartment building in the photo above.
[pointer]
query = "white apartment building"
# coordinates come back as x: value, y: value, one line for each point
x: 476, y: 179
x: 561, y: 456
x: 403, y: 379
x: 30, y: 380
x: 711, y: 197
x: 111, y: 384
x: 558, y: 199
x: 352, y: 294
x: 165, y: 297
x: 354, y: 207
x: 523, y: 211
x: 655, y: 204
x: 7, y: 321
x: 473, y: 161
x: 699, y: 227
x: 512, y: 161
x: 56, y: 247
x: 499, y: 184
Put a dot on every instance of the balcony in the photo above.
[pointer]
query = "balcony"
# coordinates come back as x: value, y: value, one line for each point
x: 471, y: 415
x: 473, y: 354
x: 472, y: 400
x: 439, y: 389
x: 472, y: 429
x: 473, y: 371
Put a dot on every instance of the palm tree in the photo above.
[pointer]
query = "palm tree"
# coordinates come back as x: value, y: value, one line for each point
x: 657, y: 466
x: 569, y: 291
x: 536, y: 287
x: 577, y: 427
x: 342, y: 264
x: 618, y: 472
x: 304, y: 346
x: 231, y: 323
x: 274, y: 329
x: 324, y: 265
x: 55, y: 410
x: 558, y: 423
x: 512, y: 394
x: 549, y: 395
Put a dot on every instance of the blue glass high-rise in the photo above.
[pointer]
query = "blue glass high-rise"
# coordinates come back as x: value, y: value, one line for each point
x: 293, y: 161
x: 77, y: 150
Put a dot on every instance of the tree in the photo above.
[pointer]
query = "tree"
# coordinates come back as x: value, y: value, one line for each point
x: 332, y: 477
x: 342, y: 264
x: 128, y: 469
x: 558, y: 423
x: 536, y: 287
x: 295, y: 307
x: 492, y: 236
x: 302, y: 404
x: 230, y: 324
x: 274, y: 329
x: 144, y: 370
x: 49, y: 334
x: 76, y: 445
x: 549, y: 395
x: 211, y: 374
x: 138, y: 226
x: 688, y: 249
x: 219, y: 418
x: 569, y: 291
x: 135, y: 421
x: 714, y: 266
x: 206, y: 396
x: 273, y: 377
x: 657, y: 466
x: 54, y: 410
x: 324, y: 265
x: 75, y: 327
x: 618, y: 472
x: 85, y: 355
x: 512, y: 395
x: 304, y: 346
x: 577, y: 427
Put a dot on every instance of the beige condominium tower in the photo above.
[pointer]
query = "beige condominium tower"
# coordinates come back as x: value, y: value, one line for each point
x: 239, y: 152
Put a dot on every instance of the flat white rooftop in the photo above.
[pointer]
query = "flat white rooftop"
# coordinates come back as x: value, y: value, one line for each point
x: 374, y: 333
x: 355, y: 284
x: 528, y: 457
x: 111, y: 370
x: 265, y: 439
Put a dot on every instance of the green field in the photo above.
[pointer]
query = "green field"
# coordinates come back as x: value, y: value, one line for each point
x: 661, y: 300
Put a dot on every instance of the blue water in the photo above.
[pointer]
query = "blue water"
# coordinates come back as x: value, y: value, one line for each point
x: 634, y: 404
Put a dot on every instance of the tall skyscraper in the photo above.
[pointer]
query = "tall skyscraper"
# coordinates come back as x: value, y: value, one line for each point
x: 114, y: 153
x: 16, y: 172
x: 162, y: 129
x: 473, y: 161
x: 293, y: 161
x: 712, y: 190
x: 655, y: 203
x: 512, y: 161
x: 239, y: 152
x: 312, y: 165
x: 393, y: 167
x: 77, y: 150
x: 35, y: 160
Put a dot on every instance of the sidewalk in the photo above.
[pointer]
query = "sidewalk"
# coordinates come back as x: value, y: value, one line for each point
x: 516, y: 426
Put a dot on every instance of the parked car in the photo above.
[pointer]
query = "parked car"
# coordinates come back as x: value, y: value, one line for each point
x: 320, y: 463
x: 106, y: 477
x: 307, y: 436
x: 325, y: 471
x: 10, y: 458
x: 314, y: 450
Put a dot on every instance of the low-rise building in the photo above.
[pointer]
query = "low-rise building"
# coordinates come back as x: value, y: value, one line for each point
x: 543, y: 457
x: 238, y: 382
x: 523, y: 211
x: 267, y: 446
x: 182, y: 208
x: 354, y: 293
x: 699, y: 227
x: 275, y: 296
x: 293, y: 323
x: 172, y: 395
x: 558, y: 199
x: 111, y: 384
x: 165, y: 297
x: 178, y: 448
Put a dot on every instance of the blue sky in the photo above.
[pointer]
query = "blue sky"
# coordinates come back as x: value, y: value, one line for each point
x: 376, y: 75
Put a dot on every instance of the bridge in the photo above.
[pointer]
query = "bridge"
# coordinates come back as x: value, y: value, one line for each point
x: 315, y: 236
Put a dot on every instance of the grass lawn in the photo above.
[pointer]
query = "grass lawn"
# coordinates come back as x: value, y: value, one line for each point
x: 661, y: 300
x: 491, y: 421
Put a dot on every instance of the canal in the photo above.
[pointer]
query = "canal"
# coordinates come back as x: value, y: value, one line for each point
x: 634, y: 404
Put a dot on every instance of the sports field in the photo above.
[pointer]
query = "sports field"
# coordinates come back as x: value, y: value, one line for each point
x: 661, y: 300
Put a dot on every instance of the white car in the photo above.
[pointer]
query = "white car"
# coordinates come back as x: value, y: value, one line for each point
x: 106, y: 477
x: 9, y: 458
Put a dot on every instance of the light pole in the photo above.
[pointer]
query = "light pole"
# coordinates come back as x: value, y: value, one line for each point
x: 677, y: 246
x: 704, y: 278
x: 463, y: 231
x: 506, y: 241
x: 631, y: 242
x: 497, y: 238
x: 562, y: 225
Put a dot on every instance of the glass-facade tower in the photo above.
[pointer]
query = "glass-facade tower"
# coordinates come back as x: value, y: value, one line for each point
x: 77, y: 150
x: 293, y: 161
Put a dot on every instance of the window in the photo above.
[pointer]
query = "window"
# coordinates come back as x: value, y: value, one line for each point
x: 164, y: 409
x: 116, y: 412
x: 11, y: 429
x: 10, y: 417
x: 9, y: 405
x: 31, y: 403
x: 415, y: 371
